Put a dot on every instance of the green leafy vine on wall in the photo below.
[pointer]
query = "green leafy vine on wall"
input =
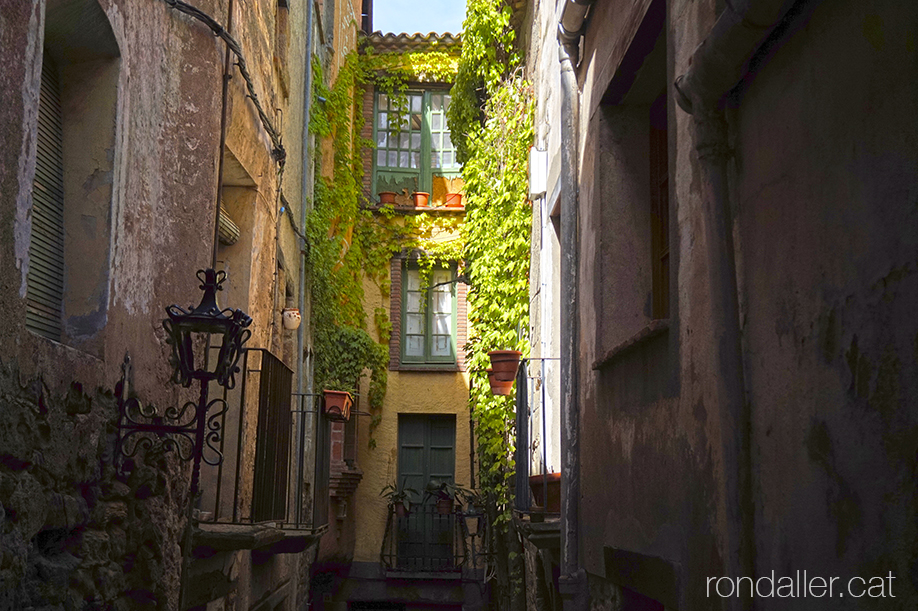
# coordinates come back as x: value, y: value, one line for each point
x: 491, y: 122
x: 350, y: 241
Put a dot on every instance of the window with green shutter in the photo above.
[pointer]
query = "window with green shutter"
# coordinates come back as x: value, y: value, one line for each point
x: 413, y: 145
x: 428, y: 316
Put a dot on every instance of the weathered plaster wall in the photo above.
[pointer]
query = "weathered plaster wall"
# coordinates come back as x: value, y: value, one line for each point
x: 408, y: 393
x: 72, y: 531
x: 823, y: 193
x: 830, y: 280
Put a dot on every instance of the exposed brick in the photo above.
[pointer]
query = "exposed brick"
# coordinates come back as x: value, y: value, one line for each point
x: 395, y: 312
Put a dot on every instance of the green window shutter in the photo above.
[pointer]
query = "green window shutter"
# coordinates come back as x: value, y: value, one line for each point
x: 428, y: 317
x: 45, y: 280
x: 426, y: 450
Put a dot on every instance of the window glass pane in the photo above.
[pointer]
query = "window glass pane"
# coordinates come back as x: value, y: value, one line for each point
x: 383, y: 120
x: 403, y: 160
x: 414, y: 280
x: 381, y: 139
x: 434, y: 159
x: 415, y: 160
x: 441, y: 345
x: 447, y: 141
x: 447, y: 159
x: 436, y: 102
x: 441, y: 275
x: 414, y: 324
x: 442, y: 323
x: 435, y: 140
x: 416, y: 121
x: 403, y: 141
x: 446, y: 100
x: 414, y: 345
x: 414, y: 301
x: 381, y: 158
x: 436, y: 121
x: 416, y: 103
x: 416, y: 141
x: 393, y: 159
x: 383, y: 101
x: 393, y: 139
x: 442, y: 301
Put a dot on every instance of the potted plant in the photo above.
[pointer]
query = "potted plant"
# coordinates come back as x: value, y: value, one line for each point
x: 505, y: 362
x: 445, y: 494
x: 399, y: 498
x: 421, y: 198
x: 337, y: 404
x: 550, y: 502
x: 387, y: 197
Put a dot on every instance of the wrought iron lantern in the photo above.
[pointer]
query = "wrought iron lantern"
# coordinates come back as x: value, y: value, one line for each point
x: 211, y: 326
x: 188, y: 430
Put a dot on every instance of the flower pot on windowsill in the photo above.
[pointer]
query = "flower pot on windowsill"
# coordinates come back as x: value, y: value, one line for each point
x: 444, y: 506
x: 499, y: 384
x: 387, y: 197
x: 337, y: 405
x: 420, y: 198
x: 453, y: 200
x: 505, y: 362
x: 537, y: 485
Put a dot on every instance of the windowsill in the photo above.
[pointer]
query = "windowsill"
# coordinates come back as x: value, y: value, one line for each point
x: 414, y: 210
x: 654, y: 329
x: 425, y: 368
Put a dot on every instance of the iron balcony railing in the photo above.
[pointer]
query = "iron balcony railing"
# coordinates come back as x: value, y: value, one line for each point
x: 262, y: 475
x: 425, y: 540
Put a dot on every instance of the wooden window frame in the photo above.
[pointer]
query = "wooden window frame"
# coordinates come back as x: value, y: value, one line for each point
x: 659, y: 206
x: 424, y: 173
x: 428, y: 359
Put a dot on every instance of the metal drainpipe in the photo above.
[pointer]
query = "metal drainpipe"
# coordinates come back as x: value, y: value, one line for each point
x: 572, y: 583
x: 304, y: 363
x: 715, y: 68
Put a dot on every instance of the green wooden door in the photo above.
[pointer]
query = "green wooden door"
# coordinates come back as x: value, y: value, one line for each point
x: 427, y: 453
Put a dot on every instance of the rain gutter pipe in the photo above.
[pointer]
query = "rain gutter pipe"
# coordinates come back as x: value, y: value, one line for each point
x: 716, y: 66
x: 572, y: 582
x: 304, y: 362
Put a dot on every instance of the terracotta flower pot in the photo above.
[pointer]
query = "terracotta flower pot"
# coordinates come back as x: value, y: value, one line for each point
x: 505, y: 363
x: 387, y: 197
x: 453, y: 200
x: 499, y: 386
x: 400, y: 510
x: 337, y: 405
x: 420, y: 198
x: 536, y: 485
x: 444, y: 506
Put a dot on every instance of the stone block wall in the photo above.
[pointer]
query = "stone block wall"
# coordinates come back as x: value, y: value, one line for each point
x: 74, y: 534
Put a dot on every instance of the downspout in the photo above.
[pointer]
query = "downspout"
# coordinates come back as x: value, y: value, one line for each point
x: 304, y: 361
x: 714, y: 69
x: 572, y: 583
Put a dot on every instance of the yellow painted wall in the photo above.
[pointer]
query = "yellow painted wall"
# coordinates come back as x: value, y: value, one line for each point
x: 408, y: 393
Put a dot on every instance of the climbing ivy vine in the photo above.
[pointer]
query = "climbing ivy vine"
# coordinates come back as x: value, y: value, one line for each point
x: 491, y: 121
x: 348, y: 239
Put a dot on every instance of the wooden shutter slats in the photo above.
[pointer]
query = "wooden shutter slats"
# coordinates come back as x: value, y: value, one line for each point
x: 45, y: 280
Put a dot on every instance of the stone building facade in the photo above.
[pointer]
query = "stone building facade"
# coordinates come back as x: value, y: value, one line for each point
x: 113, y: 115
x: 731, y: 187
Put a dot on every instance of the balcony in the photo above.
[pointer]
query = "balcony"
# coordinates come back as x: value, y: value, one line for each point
x: 258, y: 496
x: 426, y: 543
